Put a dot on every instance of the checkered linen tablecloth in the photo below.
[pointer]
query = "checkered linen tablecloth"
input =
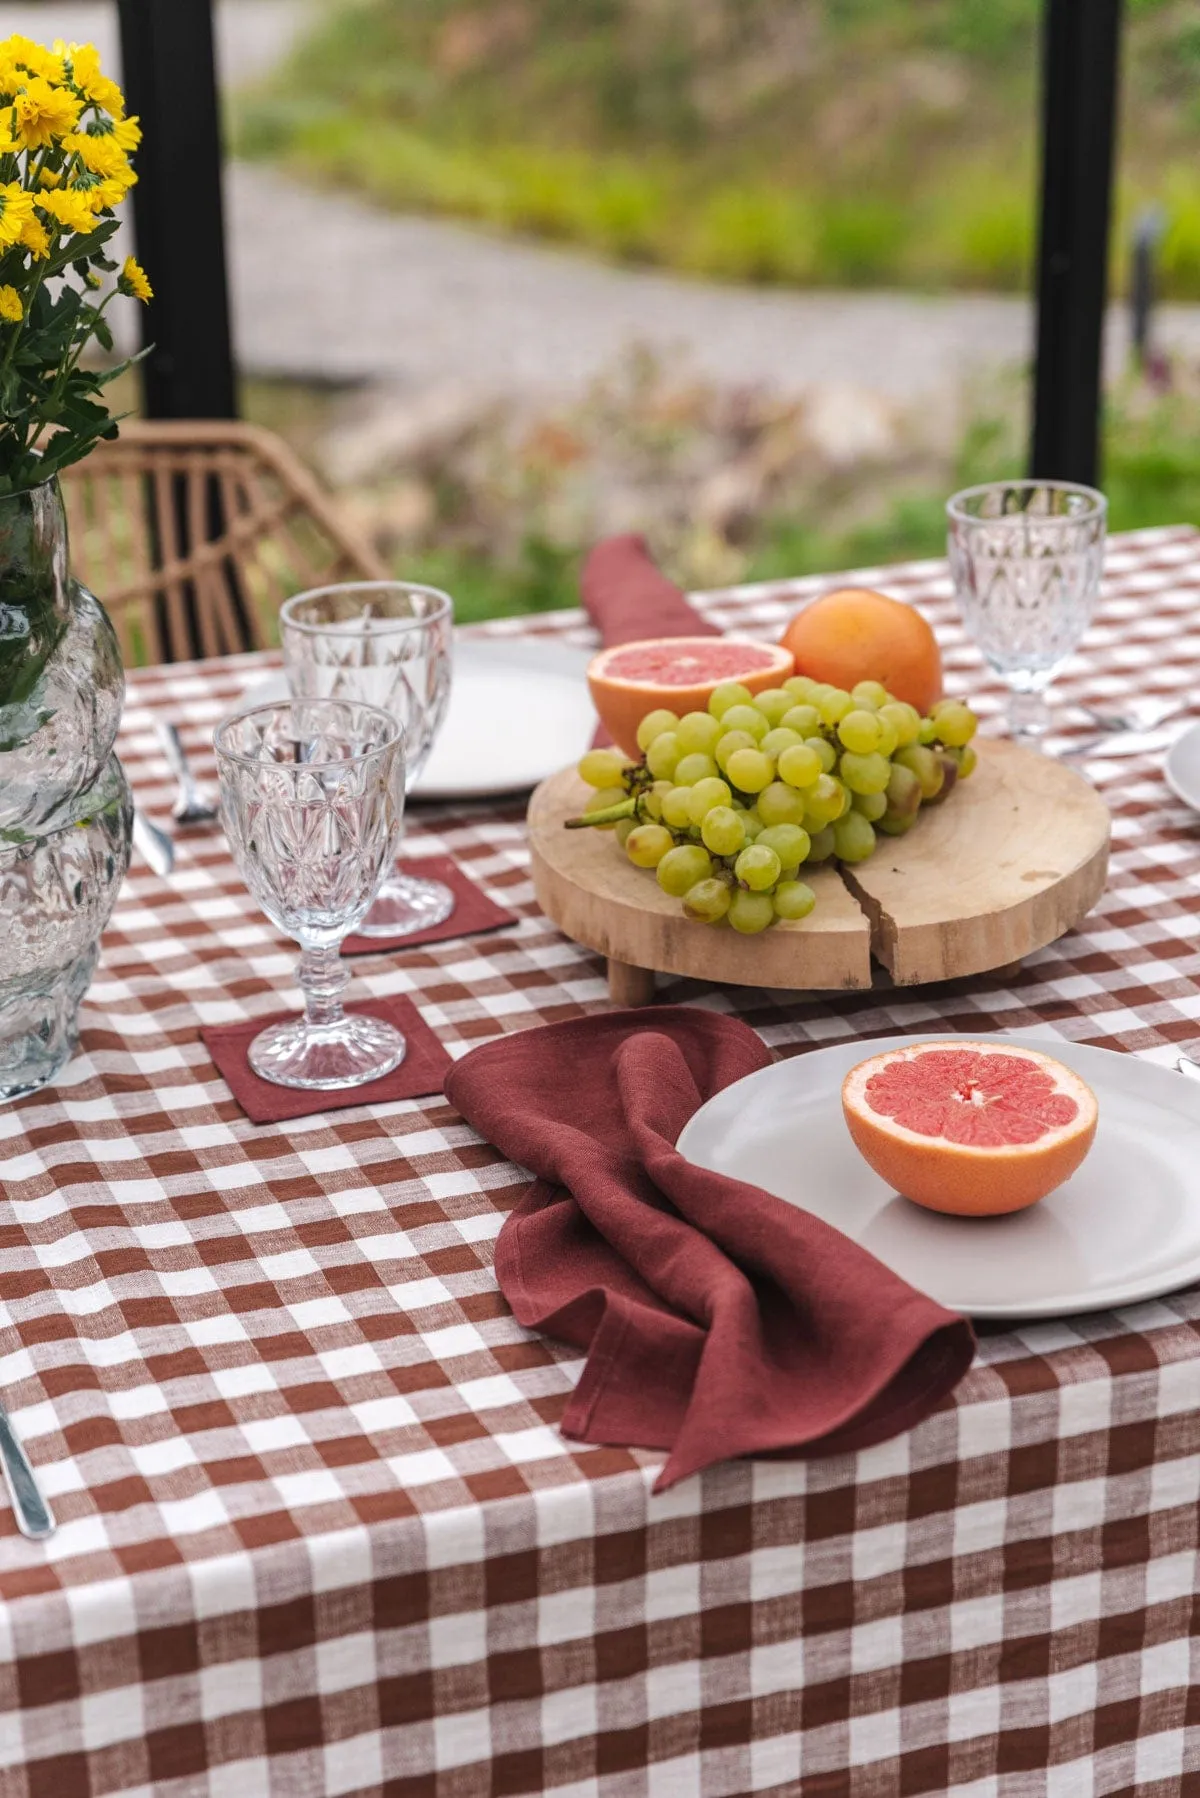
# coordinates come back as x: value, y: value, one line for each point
x: 319, y: 1534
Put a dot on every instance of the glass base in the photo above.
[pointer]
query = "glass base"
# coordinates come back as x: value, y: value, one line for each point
x: 327, y: 1057
x: 405, y: 904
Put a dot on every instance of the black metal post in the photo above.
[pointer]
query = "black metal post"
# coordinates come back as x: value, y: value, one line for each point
x: 1081, y: 42
x: 170, y: 83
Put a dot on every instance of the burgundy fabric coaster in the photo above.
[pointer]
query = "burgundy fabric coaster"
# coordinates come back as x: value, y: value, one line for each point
x: 473, y: 911
x: 419, y: 1075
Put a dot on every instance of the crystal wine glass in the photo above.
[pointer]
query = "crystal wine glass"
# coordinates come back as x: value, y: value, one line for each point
x: 312, y: 796
x: 1026, y: 557
x: 388, y: 643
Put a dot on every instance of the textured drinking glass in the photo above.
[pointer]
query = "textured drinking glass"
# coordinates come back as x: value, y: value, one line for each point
x: 312, y: 796
x: 1026, y: 557
x: 390, y: 644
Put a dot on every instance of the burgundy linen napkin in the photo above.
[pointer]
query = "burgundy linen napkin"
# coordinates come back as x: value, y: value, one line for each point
x: 473, y: 910
x: 627, y: 597
x: 717, y: 1320
x: 421, y: 1072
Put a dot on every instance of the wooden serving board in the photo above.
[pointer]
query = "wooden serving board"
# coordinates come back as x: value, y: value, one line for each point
x: 1015, y: 857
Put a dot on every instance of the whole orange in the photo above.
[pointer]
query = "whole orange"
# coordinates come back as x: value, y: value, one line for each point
x: 855, y: 634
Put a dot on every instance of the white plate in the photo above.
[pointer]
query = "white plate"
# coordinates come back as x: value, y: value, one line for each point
x: 1125, y: 1227
x: 1182, y: 767
x: 519, y: 710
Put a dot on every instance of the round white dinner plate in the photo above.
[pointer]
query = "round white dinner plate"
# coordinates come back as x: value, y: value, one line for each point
x: 1182, y: 767
x: 1125, y: 1227
x: 519, y: 710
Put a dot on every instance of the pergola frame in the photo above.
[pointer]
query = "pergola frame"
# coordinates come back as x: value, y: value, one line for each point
x: 167, y: 46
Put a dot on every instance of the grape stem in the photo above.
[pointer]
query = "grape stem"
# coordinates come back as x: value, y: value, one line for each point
x: 612, y: 814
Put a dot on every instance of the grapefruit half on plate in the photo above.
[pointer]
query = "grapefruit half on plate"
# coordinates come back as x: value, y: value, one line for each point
x: 678, y: 674
x: 968, y: 1127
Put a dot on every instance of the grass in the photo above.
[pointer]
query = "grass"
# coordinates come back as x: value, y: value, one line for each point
x: 843, y: 142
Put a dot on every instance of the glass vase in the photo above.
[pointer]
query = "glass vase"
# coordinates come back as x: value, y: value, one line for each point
x: 66, y: 813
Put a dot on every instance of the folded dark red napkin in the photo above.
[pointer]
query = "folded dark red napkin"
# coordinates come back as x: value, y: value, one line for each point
x: 627, y: 597
x: 473, y: 910
x: 717, y: 1320
x: 421, y: 1073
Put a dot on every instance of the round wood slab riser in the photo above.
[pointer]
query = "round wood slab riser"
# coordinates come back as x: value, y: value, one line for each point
x: 1016, y: 856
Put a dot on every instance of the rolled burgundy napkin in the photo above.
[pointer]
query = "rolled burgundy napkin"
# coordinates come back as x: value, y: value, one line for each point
x: 627, y: 597
x: 716, y: 1319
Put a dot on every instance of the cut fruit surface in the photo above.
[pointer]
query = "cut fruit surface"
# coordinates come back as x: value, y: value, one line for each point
x: 973, y: 1128
x: 675, y: 674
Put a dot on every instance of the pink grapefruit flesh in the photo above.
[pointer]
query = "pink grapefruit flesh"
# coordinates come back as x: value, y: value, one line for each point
x: 677, y: 674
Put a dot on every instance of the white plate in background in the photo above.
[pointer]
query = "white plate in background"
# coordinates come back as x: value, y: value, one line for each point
x: 1125, y: 1227
x: 1182, y: 767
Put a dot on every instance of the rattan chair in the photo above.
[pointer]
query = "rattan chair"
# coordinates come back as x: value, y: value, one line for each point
x: 194, y: 532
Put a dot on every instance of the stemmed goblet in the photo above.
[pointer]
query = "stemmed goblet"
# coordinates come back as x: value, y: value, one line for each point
x: 312, y: 796
x: 390, y: 644
x: 1026, y: 557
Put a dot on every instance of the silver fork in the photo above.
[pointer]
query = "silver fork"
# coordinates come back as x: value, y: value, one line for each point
x: 192, y: 804
x: 1142, y: 715
x: 34, y: 1517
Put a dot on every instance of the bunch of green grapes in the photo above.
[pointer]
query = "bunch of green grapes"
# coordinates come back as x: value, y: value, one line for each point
x: 728, y: 805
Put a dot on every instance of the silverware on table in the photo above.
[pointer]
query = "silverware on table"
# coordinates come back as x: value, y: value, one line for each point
x: 34, y: 1516
x: 152, y: 844
x: 192, y: 804
x: 1188, y: 1064
x: 1140, y: 716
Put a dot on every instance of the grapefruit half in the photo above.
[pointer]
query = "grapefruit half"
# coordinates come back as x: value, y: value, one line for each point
x: 971, y: 1128
x: 678, y: 674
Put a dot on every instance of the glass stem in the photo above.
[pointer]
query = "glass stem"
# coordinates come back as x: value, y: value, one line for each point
x: 1028, y: 715
x: 323, y: 977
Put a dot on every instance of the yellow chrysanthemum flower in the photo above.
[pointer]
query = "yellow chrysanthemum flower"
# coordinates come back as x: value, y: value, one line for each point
x: 132, y: 280
x: 10, y: 305
x: 36, y: 239
x: 8, y: 143
x: 42, y: 112
x: 104, y: 195
x: 16, y: 210
x: 89, y: 80
x: 70, y: 208
x: 11, y: 76
x: 49, y: 178
x: 99, y: 155
x: 128, y: 133
x: 35, y: 57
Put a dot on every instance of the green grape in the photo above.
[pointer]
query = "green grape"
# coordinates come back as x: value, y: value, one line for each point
x: 853, y: 838
x: 927, y: 731
x: 773, y: 703
x: 690, y: 769
x: 681, y: 867
x: 729, y: 693
x: 752, y: 824
x: 698, y: 733
x: 792, y: 899
x: 750, y: 770
x: 704, y: 796
x: 675, y: 808
x: 926, y: 765
x: 903, y: 790
x: 708, y: 901
x: 864, y: 773
x: 889, y: 742
x: 655, y: 724
x: 801, y: 766
x: 652, y: 800
x: 732, y: 739
x: 602, y: 767
x: 801, y: 687
x: 820, y: 846
x: 780, y: 804
x: 871, y: 805
x: 747, y: 718
x: 824, y: 751
x: 870, y: 693
x: 647, y: 845
x: 723, y: 831
x: 956, y: 723
x: 859, y: 732
x: 896, y: 824
x: 623, y: 828
x: 823, y: 801
x: 968, y: 760
x: 662, y: 757
x: 947, y: 760
x: 751, y: 912
x: 779, y: 739
x: 805, y: 720
x: 833, y: 705
x: 904, y: 719
x: 758, y: 868
x: 601, y: 799
x: 789, y: 842
x: 847, y: 798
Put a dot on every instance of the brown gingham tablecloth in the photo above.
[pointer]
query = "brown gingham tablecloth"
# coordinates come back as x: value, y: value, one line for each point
x: 319, y: 1533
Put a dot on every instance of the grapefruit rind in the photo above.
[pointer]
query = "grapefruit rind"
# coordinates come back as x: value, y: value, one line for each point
x: 952, y: 1172
x: 622, y: 702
